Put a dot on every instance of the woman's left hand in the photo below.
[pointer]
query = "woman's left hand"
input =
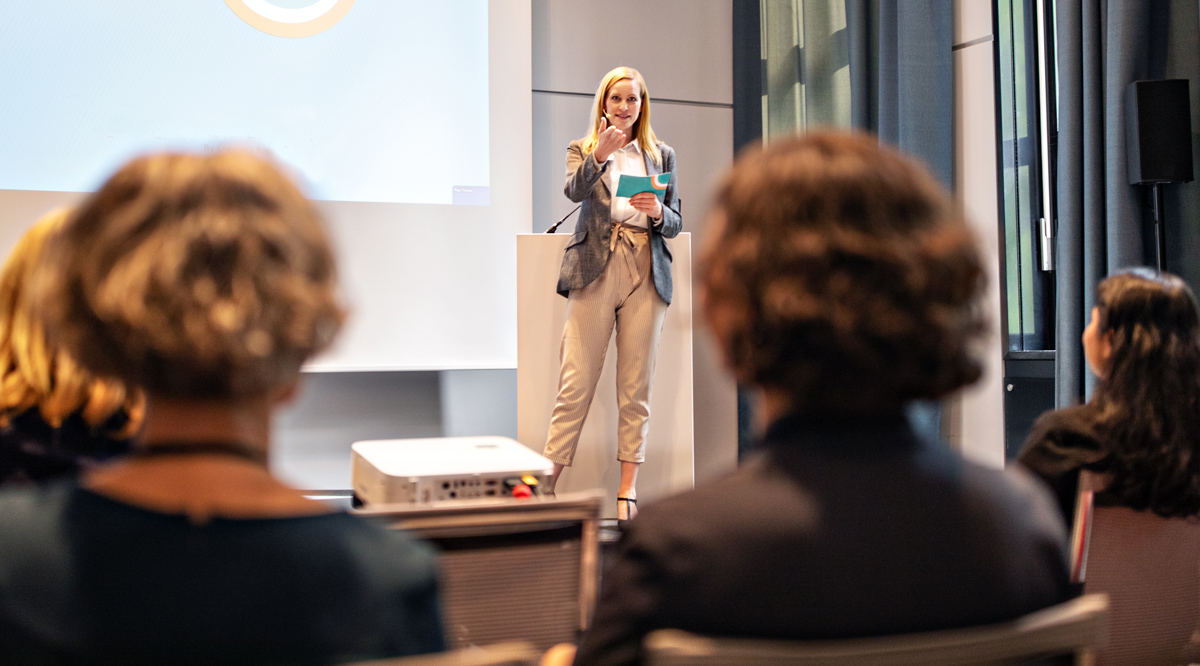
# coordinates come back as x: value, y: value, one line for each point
x: 647, y: 202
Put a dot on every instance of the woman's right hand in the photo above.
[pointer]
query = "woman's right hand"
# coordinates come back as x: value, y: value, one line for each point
x: 609, y: 140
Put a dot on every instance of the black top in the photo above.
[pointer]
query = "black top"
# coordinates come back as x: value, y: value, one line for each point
x: 88, y: 580
x: 834, y: 531
x: 33, y: 450
x: 1059, y: 445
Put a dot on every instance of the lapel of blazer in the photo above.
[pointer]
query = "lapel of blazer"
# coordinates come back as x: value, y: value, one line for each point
x: 652, y: 169
x: 604, y: 183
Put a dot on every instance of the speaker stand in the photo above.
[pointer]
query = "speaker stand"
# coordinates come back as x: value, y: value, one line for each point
x: 1160, y: 232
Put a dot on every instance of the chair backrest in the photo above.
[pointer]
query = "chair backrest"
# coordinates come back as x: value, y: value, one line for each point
x: 502, y: 654
x: 1071, y: 628
x: 1150, y: 569
x: 510, y: 569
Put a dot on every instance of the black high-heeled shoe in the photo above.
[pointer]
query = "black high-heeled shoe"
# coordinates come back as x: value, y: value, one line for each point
x: 630, y: 505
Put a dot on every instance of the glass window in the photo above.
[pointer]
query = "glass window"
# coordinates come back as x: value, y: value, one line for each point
x: 1027, y: 130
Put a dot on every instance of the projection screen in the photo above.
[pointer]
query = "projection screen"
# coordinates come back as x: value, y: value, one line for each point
x: 407, y: 120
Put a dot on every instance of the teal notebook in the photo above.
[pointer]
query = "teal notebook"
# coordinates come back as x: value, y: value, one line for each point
x: 631, y: 185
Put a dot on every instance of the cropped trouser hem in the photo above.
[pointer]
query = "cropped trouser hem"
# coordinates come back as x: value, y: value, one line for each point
x: 567, y: 462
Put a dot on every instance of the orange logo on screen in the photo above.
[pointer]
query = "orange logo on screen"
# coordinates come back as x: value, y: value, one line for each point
x: 283, y: 21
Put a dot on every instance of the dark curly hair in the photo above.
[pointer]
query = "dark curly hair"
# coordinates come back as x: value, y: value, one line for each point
x: 193, y: 276
x: 841, y: 274
x: 1148, y: 402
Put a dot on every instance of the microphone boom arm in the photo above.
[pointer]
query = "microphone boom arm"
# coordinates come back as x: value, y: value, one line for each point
x: 554, y: 227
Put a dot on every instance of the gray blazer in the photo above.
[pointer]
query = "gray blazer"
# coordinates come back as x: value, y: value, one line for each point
x: 587, y: 252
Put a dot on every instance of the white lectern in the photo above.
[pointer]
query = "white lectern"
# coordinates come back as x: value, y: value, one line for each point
x: 541, y: 313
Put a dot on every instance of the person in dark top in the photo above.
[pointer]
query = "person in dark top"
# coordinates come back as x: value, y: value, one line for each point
x: 208, y: 281
x: 1141, y: 428
x: 55, y: 417
x: 841, y: 281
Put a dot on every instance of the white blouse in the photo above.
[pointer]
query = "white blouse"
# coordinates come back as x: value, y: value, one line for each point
x: 630, y: 160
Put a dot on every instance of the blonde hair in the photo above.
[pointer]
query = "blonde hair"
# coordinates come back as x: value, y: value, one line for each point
x: 644, y: 133
x: 194, y: 276
x: 35, y: 372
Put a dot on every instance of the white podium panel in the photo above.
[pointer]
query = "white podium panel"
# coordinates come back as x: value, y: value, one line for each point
x: 541, y: 314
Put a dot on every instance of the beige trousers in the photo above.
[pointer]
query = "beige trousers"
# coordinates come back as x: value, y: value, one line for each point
x: 623, y: 297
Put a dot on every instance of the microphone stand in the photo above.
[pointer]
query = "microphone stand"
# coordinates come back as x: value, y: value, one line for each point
x: 554, y: 227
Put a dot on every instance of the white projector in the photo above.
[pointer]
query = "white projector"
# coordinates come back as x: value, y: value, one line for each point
x: 419, y: 471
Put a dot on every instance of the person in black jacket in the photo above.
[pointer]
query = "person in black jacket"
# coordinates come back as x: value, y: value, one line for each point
x: 56, y: 418
x: 840, y: 280
x: 1141, y: 428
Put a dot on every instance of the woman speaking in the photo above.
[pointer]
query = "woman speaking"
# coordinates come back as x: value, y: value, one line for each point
x: 616, y: 273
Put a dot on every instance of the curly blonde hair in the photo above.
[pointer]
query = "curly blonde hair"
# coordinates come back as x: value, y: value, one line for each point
x: 34, y: 372
x: 194, y: 276
x: 840, y: 273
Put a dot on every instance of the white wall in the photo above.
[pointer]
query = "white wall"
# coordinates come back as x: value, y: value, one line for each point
x: 976, y: 417
x: 684, y: 50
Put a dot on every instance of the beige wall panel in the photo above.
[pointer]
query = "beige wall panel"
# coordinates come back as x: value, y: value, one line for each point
x: 972, y: 20
x: 982, y: 405
x: 703, y: 142
x: 684, y: 48
x: 557, y: 120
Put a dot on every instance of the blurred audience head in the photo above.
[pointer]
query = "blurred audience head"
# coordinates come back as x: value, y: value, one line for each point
x: 194, y: 276
x: 840, y: 276
x: 1144, y: 340
x: 34, y: 371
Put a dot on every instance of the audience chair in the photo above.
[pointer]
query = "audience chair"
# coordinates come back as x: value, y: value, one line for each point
x: 1072, y: 628
x: 1150, y: 569
x: 502, y: 654
x: 512, y: 570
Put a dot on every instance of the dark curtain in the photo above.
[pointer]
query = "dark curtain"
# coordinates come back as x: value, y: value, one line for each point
x: 1103, y: 45
x: 901, y: 88
x: 901, y: 82
x: 901, y: 76
x: 747, y: 129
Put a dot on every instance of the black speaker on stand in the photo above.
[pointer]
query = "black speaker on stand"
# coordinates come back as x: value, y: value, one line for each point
x: 1158, y: 143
